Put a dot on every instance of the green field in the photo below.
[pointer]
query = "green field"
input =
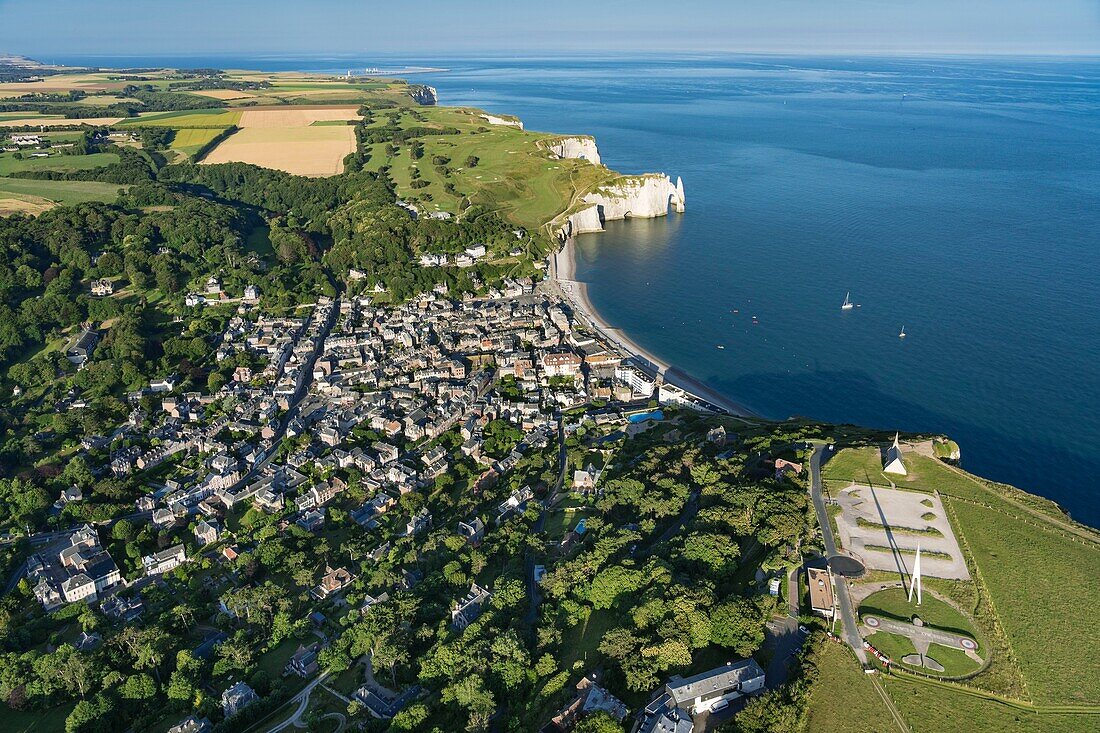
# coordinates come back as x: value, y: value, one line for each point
x: 514, y: 175
x: 843, y: 699
x: 893, y: 603
x: 56, y: 162
x: 190, y: 140
x: 217, y: 118
x: 64, y: 192
x: 1042, y: 585
x: 930, y: 708
x: 24, y: 116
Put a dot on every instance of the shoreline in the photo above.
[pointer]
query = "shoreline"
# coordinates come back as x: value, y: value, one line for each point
x: 563, y: 268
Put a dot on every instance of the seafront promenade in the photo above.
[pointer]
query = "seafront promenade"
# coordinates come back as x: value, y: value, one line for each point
x: 560, y: 280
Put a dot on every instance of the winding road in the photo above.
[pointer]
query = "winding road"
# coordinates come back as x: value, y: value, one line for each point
x: 302, y: 698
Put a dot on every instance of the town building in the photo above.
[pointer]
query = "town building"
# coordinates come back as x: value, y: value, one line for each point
x: 821, y: 591
x: 236, y: 698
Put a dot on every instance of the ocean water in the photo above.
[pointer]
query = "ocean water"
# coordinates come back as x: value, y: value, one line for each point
x: 957, y: 197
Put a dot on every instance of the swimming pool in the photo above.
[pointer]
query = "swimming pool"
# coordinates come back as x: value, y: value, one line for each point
x: 643, y: 416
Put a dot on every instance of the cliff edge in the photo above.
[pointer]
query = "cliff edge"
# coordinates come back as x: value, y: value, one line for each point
x: 423, y: 94
x: 644, y: 197
x: 581, y: 147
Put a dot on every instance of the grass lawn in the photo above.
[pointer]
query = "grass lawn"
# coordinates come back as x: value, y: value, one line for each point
x: 45, y: 721
x: 955, y: 662
x: 894, y: 646
x: 934, y: 709
x: 56, y: 162
x: 274, y: 661
x: 1042, y: 585
x: 843, y: 699
x: 579, y: 642
x: 63, y: 192
x: 892, y: 603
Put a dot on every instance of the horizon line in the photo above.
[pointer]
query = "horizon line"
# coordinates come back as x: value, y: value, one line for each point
x: 558, y: 53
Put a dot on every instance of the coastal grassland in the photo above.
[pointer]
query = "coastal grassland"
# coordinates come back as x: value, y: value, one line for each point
x: 303, y: 151
x: 513, y: 174
x: 60, y: 192
x: 56, y: 162
x: 864, y: 465
x: 842, y: 698
x: 929, y: 707
x: 893, y: 603
x: 1042, y: 584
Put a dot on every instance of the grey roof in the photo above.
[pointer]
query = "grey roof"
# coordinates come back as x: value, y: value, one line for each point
x: 719, y: 679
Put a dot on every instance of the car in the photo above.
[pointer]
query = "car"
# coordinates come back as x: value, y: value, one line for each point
x: 721, y: 704
x: 803, y: 629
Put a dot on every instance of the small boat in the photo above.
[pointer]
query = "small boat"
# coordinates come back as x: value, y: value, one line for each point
x: 720, y: 346
x: 755, y: 320
x: 847, y: 304
x: 902, y: 334
x: 736, y: 310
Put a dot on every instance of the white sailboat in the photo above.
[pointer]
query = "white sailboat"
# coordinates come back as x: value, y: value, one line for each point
x: 847, y: 304
x: 902, y: 334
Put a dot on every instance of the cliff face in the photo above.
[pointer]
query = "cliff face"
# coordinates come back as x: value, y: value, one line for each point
x: 643, y: 197
x: 423, y: 94
x: 507, y: 121
x: 581, y: 147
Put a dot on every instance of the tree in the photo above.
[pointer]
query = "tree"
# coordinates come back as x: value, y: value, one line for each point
x: 611, y: 583
x: 601, y: 722
x: 138, y: 687
x: 737, y: 624
x: 124, y: 530
x: 470, y: 693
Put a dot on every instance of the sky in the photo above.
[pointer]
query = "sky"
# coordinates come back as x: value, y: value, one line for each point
x: 41, y: 28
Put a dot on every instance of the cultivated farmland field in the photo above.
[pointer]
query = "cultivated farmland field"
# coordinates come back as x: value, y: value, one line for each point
x: 303, y: 151
x: 223, y: 94
x: 185, y: 118
x: 294, y: 116
x: 190, y: 140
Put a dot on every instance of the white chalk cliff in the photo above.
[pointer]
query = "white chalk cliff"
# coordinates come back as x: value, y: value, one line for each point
x: 575, y: 146
x: 423, y: 94
x: 642, y: 197
x: 507, y: 121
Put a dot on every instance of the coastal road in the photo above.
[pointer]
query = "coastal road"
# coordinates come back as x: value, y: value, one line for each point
x: 850, y: 631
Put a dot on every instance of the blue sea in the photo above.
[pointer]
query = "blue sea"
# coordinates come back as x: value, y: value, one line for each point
x: 958, y: 198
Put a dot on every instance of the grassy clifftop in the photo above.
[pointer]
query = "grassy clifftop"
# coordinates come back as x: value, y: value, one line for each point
x: 499, y: 166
